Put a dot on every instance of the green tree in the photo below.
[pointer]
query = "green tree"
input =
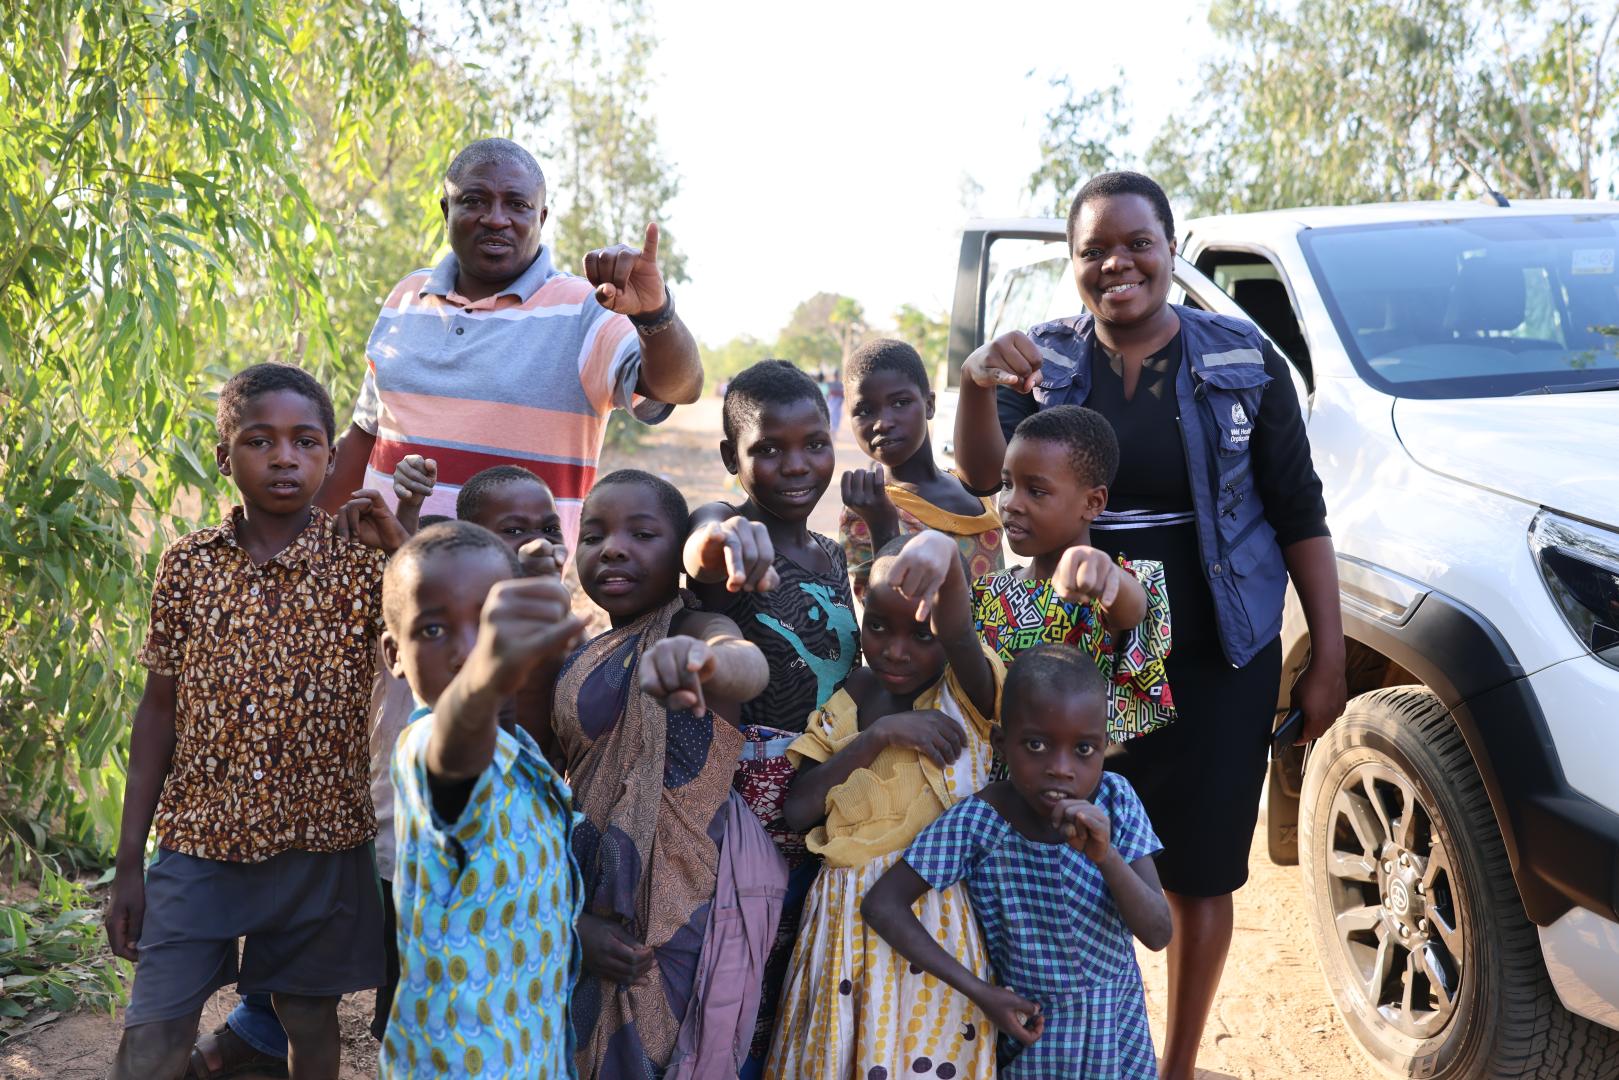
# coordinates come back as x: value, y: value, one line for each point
x: 187, y: 190
x: 1546, y: 110
x: 151, y: 169
x: 1340, y: 101
x: 1083, y: 136
x: 1346, y: 101
x: 724, y: 361
x: 813, y: 338
x: 610, y: 176
x: 928, y: 334
x: 848, y: 322
x: 159, y: 229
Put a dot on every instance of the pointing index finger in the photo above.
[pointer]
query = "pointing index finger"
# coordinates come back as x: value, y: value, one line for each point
x: 740, y: 554
x: 650, y: 249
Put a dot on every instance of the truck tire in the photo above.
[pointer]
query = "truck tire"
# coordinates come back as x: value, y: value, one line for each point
x: 1426, y: 949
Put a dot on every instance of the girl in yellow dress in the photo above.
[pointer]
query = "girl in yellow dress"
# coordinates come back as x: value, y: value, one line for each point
x: 906, y: 737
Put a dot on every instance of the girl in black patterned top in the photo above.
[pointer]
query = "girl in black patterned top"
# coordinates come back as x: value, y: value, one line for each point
x: 787, y: 588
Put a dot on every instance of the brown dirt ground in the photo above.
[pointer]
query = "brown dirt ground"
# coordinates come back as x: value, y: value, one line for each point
x: 1273, y: 1020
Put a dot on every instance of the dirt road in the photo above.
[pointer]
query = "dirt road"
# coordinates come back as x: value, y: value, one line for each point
x: 1273, y: 1020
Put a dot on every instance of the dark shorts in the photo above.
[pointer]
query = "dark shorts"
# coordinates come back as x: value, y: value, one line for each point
x: 1200, y: 778
x: 312, y: 923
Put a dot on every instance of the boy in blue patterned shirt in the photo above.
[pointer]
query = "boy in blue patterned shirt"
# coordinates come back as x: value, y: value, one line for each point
x: 485, y: 885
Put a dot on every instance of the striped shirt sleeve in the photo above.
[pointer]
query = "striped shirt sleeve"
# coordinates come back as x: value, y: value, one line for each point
x: 368, y: 407
x: 610, y: 367
x: 626, y: 373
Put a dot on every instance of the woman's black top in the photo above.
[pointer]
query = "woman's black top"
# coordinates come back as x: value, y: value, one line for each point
x: 1152, y: 478
x: 1152, y: 459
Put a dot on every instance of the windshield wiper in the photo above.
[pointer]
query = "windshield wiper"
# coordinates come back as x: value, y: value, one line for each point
x: 1572, y: 388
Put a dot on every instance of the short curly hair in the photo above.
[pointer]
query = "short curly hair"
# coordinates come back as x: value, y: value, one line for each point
x: 469, y: 500
x: 260, y: 379
x: 1108, y: 184
x: 885, y: 354
x: 493, y: 152
x: 769, y: 382
x: 1059, y: 670
x: 1092, y: 445
x: 434, y: 540
x: 668, y: 497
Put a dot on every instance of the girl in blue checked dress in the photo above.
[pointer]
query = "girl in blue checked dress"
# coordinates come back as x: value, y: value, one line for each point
x: 1058, y: 862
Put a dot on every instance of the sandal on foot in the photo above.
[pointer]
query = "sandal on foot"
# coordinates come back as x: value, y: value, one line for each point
x: 222, y: 1052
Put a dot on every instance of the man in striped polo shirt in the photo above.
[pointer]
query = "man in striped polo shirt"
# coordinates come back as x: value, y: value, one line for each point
x: 496, y: 357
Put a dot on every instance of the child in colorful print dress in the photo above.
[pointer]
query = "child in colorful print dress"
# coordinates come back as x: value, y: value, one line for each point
x: 1058, y: 468
x: 647, y: 715
x: 904, y: 492
x: 787, y: 590
x: 908, y: 736
x: 1058, y: 862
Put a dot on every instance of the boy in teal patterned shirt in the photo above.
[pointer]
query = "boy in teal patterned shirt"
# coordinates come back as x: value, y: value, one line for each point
x: 485, y: 884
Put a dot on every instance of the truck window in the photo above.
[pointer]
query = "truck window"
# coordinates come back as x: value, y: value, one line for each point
x: 1255, y: 283
x: 1179, y: 295
x: 1030, y: 282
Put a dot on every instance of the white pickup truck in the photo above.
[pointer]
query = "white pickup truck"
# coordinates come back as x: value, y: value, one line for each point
x: 1458, y: 829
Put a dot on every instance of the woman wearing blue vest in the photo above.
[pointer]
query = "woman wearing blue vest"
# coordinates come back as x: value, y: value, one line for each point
x: 1214, y: 481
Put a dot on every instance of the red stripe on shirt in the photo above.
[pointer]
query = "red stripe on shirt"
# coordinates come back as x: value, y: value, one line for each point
x: 566, y: 481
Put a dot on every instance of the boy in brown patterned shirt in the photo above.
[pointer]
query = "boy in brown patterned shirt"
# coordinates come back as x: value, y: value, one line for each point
x: 250, y: 753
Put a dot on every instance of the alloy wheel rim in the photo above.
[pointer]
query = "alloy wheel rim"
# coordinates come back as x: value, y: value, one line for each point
x: 1398, y: 919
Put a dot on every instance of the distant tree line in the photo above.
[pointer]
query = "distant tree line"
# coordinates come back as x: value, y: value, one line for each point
x: 821, y: 333
x: 1350, y: 101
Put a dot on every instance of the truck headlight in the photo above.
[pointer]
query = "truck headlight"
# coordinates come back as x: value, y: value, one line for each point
x: 1580, y: 565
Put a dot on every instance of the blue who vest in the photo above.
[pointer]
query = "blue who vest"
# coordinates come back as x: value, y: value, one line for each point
x: 1218, y: 388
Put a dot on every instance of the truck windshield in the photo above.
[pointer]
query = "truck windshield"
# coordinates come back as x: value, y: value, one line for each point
x: 1476, y: 307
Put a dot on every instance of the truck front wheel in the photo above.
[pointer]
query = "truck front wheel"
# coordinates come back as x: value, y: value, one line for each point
x: 1424, y: 943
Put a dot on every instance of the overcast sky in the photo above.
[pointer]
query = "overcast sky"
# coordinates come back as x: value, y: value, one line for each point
x: 823, y: 146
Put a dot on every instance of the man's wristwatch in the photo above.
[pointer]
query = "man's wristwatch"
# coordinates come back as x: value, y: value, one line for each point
x: 658, y: 321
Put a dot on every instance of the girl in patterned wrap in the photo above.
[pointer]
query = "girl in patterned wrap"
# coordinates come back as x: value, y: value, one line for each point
x: 1057, y: 860
x: 646, y: 714
x: 1058, y: 468
x: 787, y: 589
x: 907, y: 737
